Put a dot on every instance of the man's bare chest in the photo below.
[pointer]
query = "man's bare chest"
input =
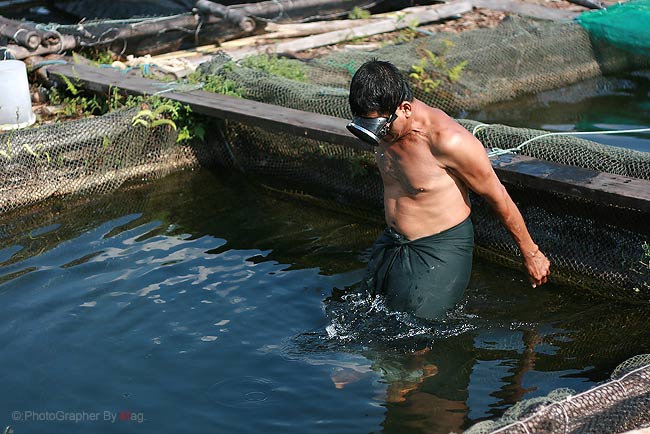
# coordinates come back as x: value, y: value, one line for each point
x: 413, y: 173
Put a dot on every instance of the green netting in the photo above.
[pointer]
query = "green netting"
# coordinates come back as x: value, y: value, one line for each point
x: 625, y: 25
x: 471, y: 69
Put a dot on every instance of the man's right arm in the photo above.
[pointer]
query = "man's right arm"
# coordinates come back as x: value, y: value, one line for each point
x: 465, y: 156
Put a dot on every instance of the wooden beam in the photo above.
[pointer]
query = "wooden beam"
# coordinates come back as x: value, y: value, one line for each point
x: 267, y: 116
x: 600, y: 187
x: 528, y: 9
x: 570, y: 181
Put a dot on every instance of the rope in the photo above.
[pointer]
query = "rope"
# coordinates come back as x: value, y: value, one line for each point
x: 495, y: 152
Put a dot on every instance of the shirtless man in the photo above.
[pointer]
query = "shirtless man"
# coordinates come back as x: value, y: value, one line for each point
x: 422, y: 261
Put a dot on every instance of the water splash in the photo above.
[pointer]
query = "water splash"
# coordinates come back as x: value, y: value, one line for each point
x: 360, y: 319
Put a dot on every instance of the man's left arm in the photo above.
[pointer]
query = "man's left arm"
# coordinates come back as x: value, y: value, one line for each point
x: 465, y: 156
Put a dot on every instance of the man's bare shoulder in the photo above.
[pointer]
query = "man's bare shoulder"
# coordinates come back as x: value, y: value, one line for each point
x: 447, y: 135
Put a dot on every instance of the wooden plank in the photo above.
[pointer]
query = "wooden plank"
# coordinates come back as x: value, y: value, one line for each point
x: 528, y: 9
x: 514, y: 169
x: 267, y: 116
x: 600, y: 187
x: 294, y: 30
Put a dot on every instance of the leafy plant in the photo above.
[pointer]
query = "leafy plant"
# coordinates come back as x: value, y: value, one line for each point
x: 70, y: 87
x: 74, y: 105
x: 408, y: 33
x: 156, y: 111
x: 155, y: 118
x: 432, y: 69
x: 278, y: 66
x: 454, y: 73
x: 358, y: 14
x: 216, y: 83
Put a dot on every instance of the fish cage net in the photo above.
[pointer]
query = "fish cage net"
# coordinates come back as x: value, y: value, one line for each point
x: 465, y: 71
x: 91, y: 156
x: 455, y: 72
x: 618, y: 405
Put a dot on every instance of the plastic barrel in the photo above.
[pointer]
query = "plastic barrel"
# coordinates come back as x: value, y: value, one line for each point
x: 15, y: 101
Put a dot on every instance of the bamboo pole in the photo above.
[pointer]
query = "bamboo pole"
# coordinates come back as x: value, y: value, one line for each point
x: 275, y: 9
x: 293, y: 30
x: 528, y: 9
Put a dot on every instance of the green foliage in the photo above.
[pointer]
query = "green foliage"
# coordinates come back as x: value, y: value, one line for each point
x: 97, y: 56
x: 358, y: 14
x: 157, y: 111
x: 278, y: 66
x: 454, y: 73
x: 70, y: 87
x: 73, y: 103
x: 432, y: 69
x: 154, y: 118
x: 408, y: 33
x: 216, y: 84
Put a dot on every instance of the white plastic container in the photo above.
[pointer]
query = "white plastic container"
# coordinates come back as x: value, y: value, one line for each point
x: 15, y: 101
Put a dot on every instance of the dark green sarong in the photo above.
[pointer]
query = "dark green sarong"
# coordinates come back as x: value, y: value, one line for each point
x: 426, y: 276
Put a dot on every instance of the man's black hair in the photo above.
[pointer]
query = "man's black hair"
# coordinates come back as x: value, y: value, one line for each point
x: 378, y: 86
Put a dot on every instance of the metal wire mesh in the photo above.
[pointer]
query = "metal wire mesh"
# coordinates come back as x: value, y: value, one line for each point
x: 618, y: 405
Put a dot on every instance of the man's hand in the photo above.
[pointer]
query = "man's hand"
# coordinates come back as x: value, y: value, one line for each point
x: 538, y: 267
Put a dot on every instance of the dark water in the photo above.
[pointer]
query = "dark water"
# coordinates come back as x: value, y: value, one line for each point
x: 202, y: 303
x: 620, y: 102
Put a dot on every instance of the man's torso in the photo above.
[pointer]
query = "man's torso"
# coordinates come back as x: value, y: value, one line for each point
x: 421, y: 197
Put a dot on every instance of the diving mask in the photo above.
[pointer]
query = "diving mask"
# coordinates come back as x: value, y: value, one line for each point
x: 370, y: 130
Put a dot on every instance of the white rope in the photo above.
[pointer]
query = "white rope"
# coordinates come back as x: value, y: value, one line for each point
x: 498, y: 151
